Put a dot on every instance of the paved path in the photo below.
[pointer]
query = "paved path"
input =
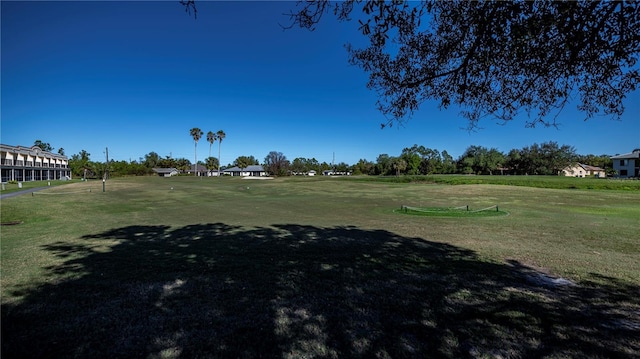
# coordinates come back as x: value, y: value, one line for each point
x: 24, y: 191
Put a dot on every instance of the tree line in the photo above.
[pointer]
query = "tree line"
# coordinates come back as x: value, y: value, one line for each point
x: 547, y: 158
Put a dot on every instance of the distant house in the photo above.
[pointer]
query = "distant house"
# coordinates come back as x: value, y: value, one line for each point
x: 582, y: 170
x: 249, y: 171
x: 202, y: 170
x: 309, y: 173
x: 628, y: 164
x: 166, y: 172
x: 335, y: 173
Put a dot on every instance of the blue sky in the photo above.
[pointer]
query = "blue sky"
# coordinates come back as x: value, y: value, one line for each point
x: 136, y: 76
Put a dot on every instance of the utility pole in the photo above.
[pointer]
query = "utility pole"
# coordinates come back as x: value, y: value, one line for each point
x: 333, y: 163
x: 106, y: 168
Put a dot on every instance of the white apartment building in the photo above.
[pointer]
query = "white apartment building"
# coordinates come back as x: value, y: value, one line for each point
x: 18, y: 163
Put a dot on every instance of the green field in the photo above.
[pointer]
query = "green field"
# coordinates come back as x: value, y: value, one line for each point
x: 14, y: 187
x: 319, y: 268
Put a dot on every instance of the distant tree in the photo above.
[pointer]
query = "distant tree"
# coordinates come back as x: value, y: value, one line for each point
x: 364, y: 167
x: 211, y: 138
x: 85, y: 156
x: 43, y: 145
x: 139, y: 169
x: 132, y: 168
x: 151, y: 160
x: 493, y: 160
x: 465, y: 165
x: 412, y: 157
x: 61, y: 151
x: 384, y: 164
x: 117, y: 168
x: 299, y: 165
x: 80, y: 163
x: 196, y: 133
x: 167, y: 162
x: 220, y: 135
x: 471, y: 161
x: 448, y: 163
x: 243, y: 162
x: 399, y: 165
x: 324, y: 166
x: 557, y: 157
x: 513, y: 161
x: 246, y: 160
x: 492, y: 58
x: 530, y: 160
x: 313, y: 164
x: 421, y: 160
x: 182, y: 164
x: 276, y: 163
x: 545, y: 159
x: 480, y: 160
x: 342, y: 168
x: 304, y: 165
x: 431, y: 161
x: 212, y: 163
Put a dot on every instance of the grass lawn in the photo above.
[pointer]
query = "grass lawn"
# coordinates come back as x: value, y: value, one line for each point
x: 14, y: 187
x: 318, y: 268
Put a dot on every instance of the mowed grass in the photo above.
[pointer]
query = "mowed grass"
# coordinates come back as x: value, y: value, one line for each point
x: 15, y: 187
x: 318, y: 268
x: 558, y: 182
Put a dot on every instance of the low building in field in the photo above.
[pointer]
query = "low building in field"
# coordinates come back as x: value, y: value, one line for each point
x: 249, y: 171
x: 166, y: 172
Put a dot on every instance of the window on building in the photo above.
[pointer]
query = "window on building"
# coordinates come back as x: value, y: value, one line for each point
x: 623, y: 172
x: 623, y: 162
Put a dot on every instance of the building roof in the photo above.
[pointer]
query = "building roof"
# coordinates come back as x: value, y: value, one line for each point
x: 251, y: 168
x: 32, y: 150
x: 165, y: 170
x: 590, y: 168
x: 630, y: 155
x: 200, y: 168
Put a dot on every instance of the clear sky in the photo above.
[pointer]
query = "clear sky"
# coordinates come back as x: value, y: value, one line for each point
x: 137, y: 76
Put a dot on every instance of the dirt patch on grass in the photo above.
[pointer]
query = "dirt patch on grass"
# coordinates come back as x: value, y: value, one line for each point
x: 539, y: 276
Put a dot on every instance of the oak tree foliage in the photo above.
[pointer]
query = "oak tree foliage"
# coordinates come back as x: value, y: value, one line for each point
x: 493, y: 59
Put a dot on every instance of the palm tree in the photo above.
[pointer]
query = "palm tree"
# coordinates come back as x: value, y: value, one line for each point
x: 196, y: 133
x: 242, y: 162
x: 211, y: 138
x: 211, y: 163
x: 399, y: 165
x: 220, y: 135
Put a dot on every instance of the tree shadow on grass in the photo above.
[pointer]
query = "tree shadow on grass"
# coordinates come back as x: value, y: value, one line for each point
x: 292, y: 291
